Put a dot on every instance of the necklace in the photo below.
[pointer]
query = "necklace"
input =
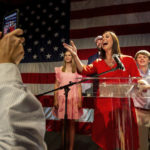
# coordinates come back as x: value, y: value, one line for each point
x: 110, y: 63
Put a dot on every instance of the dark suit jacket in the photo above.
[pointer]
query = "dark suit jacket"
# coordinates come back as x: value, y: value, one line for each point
x: 94, y: 87
x: 93, y: 58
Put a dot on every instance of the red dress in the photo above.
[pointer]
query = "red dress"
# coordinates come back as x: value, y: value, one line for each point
x: 109, y: 120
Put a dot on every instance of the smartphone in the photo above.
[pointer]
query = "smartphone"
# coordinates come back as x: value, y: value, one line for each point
x: 10, y: 21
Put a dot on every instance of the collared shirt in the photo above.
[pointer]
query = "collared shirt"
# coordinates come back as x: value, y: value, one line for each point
x: 146, y: 76
x: 22, y: 121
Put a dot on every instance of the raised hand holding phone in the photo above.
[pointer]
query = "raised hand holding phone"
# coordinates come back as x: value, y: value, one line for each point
x: 14, y: 51
x: 10, y: 21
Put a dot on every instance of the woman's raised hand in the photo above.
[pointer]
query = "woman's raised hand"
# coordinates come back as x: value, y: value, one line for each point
x: 72, y: 48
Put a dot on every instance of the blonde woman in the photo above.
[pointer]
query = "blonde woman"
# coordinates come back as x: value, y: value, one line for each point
x: 65, y: 74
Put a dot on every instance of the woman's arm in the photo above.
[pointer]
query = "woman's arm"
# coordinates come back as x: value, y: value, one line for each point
x: 80, y: 96
x: 72, y: 48
x: 56, y: 94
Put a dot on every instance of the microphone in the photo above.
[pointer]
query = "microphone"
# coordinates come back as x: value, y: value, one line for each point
x: 118, y: 61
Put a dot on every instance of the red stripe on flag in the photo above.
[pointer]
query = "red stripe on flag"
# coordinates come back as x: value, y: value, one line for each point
x: 125, y: 50
x: 132, y: 50
x: 38, y: 78
x: 119, y: 30
x: 81, y: 127
x: 111, y: 10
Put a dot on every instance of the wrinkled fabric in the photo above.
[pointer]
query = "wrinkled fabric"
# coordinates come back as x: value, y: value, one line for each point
x: 73, y: 112
x: 22, y: 121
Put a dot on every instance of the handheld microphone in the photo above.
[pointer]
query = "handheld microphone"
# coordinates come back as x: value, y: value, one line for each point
x: 118, y: 61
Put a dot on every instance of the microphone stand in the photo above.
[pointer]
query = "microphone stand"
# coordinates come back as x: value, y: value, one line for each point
x: 66, y: 89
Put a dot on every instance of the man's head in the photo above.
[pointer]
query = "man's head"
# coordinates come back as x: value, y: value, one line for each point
x: 98, y: 41
x: 142, y: 58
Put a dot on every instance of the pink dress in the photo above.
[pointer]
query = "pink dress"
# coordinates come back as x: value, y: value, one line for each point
x: 73, y: 112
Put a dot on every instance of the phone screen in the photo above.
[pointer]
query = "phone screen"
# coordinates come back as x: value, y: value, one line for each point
x: 10, y: 22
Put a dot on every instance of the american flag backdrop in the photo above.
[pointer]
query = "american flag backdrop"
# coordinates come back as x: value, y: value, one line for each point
x: 46, y: 26
x: 48, y: 23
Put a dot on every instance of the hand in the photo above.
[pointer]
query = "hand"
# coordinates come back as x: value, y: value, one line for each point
x: 72, y: 48
x: 11, y: 48
x: 79, y: 104
x: 143, y: 85
x: 56, y: 105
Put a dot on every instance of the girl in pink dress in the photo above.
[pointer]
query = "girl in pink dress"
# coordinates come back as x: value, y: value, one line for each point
x: 64, y: 75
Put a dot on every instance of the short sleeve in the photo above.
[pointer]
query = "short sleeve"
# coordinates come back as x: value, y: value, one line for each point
x: 88, y: 70
x: 91, y: 68
x: 78, y: 77
x: 57, y: 73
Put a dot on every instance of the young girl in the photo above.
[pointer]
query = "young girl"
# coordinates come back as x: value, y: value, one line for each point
x: 64, y: 75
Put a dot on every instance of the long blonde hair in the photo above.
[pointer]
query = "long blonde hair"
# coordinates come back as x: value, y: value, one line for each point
x: 73, y: 64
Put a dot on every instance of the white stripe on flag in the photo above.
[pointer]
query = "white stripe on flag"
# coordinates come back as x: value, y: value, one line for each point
x: 41, y: 67
x: 110, y: 20
x: 81, y: 5
x: 125, y: 41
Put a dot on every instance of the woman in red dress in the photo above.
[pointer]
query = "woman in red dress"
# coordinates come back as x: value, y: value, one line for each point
x: 113, y: 128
